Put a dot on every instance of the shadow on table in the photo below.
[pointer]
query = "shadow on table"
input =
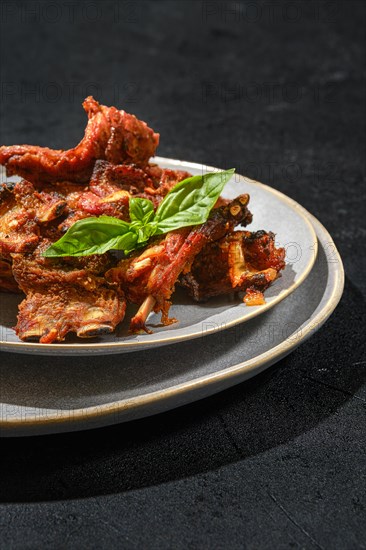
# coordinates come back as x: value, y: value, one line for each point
x: 269, y: 410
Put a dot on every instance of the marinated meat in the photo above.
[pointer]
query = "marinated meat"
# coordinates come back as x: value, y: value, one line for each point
x: 149, y: 278
x: 62, y: 296
x: 88, y: 295
x: 241, y: 261
x: 111, y: 187
x: 69, y: 295
x: 112, y: 135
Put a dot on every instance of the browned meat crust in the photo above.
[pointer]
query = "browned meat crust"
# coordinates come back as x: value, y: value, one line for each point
x: 18, y: 229
x: 149, y: 278
x: 111, y: 187
x: 112, y: 135
x: 49, y: 316
x: 63, y: 296
x: 241, y: 261
x: 23, y: 211
x: 87, y: 296
x: 69, y: 295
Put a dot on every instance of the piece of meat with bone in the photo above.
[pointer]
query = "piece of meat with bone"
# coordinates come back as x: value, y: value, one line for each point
x: 163, y: 180
x: 23, y: 210
x: 111, y: 134
x: 149, y: 278
x: 242, y: 261
x: 63, y: 296
x: 28, y: 214
x: 18, y: 229
x: 111, y: 187
x: 23, y: 213
x: 152, y: 181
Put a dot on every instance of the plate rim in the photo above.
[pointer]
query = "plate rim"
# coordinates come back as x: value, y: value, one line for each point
x: 92, y: 348
x: 250, y: 367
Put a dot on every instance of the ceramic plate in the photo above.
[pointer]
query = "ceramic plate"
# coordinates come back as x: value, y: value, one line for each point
x: 271, y: 211
x: 51, y: 394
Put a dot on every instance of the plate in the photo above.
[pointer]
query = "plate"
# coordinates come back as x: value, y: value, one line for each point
x: 48, y: 394
x: 271, y: 211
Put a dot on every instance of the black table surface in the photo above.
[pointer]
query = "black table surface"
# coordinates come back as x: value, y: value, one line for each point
x: 277, y: 90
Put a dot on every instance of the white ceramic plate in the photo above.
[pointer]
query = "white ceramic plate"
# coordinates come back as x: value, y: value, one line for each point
x: 271, y: 211
x: 52, y: 394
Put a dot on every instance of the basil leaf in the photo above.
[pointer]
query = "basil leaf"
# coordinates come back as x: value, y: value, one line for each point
x: 147, y: 231
x: 141, y: 214
x: 141, y: 210
x: 190, y: 201
x: 93, y: 236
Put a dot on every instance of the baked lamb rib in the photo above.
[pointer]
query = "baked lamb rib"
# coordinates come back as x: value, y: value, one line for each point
x: 65, y: 295
x: 243, y: 261
x: 112, y: 135
x: 148, y: 279
x: 68, y: 295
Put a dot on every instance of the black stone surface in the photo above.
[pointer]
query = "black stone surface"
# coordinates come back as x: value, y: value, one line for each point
x: 277, y: 90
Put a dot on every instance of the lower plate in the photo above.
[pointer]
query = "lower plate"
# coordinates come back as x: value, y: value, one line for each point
x: 53, y: 394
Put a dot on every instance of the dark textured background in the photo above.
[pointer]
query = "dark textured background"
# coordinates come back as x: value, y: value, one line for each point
x: 277, y: 90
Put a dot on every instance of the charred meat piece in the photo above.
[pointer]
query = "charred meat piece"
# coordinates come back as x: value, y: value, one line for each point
x: 62, y: 296
x: 111, y: 187
x: 28, y: 214
x: 23, y: 211
x: 50, y: 315
x: 149, y: 278
x: 18, y: 229
x: 109, y: 191
x: 107, y: 178
x: 135, y: 275
x: 45, y: 206
x: 163, y: 180
x: 108, y: 181
x: 241, y: 261
x: 111, y: 135
x: 101, y: 197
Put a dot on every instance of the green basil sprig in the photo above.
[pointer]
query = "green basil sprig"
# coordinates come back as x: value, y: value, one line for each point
x: 188, y: 203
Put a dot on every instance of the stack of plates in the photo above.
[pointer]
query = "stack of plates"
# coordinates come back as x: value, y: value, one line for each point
x: 69, y: 386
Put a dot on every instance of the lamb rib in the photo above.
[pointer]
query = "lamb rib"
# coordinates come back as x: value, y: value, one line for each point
x: 66, y: 295
x: 242, y: 261
x: 112, y: 185
x: 148, y: 279
x: 110, y: 134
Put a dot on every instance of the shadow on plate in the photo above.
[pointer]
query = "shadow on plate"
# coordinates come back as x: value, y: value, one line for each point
x: 269, y: 410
